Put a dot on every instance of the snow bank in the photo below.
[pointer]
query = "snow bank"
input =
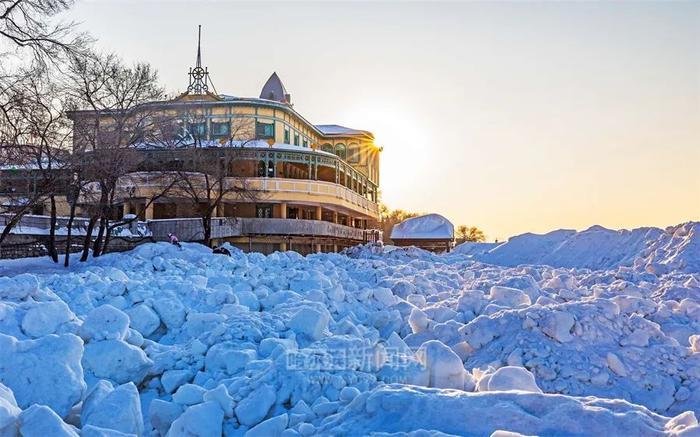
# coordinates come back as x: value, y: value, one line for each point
x: 161, y: 341
x: 430, y: 226
x: 676, y: 248
x: 396, y: 408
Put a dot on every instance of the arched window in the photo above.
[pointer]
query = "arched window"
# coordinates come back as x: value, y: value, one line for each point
x: 262, y: 169
x: 327, y: 148
x: 340, y: 151
x: 270, y: 169
x: 353, y: 153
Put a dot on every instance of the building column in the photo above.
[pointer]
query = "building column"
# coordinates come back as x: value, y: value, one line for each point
x: 283, y: 212
x: 283, y: 246
x: 148, y: 214
x: 335, y: 248
x: 335, y: 216
x: 319, y: 213
x: 219, y: 211
x: 126, y: 209
x: 318, y: 248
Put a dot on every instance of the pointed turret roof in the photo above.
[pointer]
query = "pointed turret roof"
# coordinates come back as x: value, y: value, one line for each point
x: 274, y: 90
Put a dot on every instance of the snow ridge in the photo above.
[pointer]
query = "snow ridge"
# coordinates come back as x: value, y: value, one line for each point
x: 675, y: 248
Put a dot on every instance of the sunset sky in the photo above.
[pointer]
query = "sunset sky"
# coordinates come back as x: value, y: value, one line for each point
x: 512, y: 117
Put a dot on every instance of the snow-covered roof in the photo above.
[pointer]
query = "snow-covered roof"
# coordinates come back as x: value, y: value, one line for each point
x: 336, y: 129
x: 254, y: 144
x: 425, y: 227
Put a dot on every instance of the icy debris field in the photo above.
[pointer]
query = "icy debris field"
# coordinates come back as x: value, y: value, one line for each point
x: 377, y: 341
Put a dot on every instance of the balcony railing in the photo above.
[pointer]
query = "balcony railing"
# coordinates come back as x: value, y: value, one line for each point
x: 271, y: 185
x: 224, y: 227
x: 191, y: 229
x: 313, y: 187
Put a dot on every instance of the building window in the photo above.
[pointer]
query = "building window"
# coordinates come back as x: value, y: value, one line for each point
x: 270, y: 169
x: 198, y: 130
x: 262, y: 169
x: 286, y: 135
x: 327, y: 148
x: 296, y: 139
x: 220, y: 129
x: 264, y: 130
x: 305, y: 143
x: 340, y: 151
x: 263, y: 211
x: 353, y: 153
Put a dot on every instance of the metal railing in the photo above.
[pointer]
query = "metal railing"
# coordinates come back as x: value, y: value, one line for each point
x: 279, y: 185
x: 314, y: 187
x: 191, y: 229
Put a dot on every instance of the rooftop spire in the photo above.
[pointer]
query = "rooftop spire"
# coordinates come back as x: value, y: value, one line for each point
x: 199, y: 77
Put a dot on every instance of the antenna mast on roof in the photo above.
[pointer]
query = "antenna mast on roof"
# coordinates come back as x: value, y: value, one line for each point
x: 199, y: 77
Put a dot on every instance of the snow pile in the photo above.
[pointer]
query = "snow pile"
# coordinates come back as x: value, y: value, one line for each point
x: 395, y: 409
x: 653, y: 249
x: 430, y: 226
x: 161, y: 341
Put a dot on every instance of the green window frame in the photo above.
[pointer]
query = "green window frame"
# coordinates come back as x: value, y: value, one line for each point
x: 220, y: 129
x: 264, y: 130
x: 198, y: 130
x: 296, y: 139
x: 286, y: 135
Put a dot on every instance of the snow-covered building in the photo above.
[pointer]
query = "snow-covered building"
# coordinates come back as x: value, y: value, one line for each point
x: 431, y: 232
x: 303, y: 186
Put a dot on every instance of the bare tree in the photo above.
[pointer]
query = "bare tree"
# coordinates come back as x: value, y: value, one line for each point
x: 470, y: 234
x: 108, y: 133
x: 31, y: 25
x: 35, y: 136
x: 206, y: 176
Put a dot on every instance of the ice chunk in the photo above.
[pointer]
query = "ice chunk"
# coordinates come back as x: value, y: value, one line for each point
x: 172, y: 379
x: 9, y: 412
x: 248, y: 299
x: 189, y: 394
x: 254, y: 408
x: 347, y: 394
x: 171, y: 311
x: 120, y: 410
x: 105, y: 323
x: 143, y: 319
x: 41, y: 421
x: 385, y: 296
x: 616, y: 365
x: 220, y: 395
x: 44, y: 318
x: 444, y: 366
x: 117, y: 361
x: 272, y: 427
x: 513, y: 378
x: 43, y: 371
x: 508, y: 297
x: 203, y: 420
x: 694, y: 341
x: 558, y: 325
x: 311, y: 322
x: 162, y: 414
x: 96, y: 431
x: 418, y: 321
x: 18, y: 287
